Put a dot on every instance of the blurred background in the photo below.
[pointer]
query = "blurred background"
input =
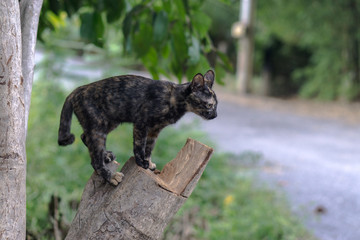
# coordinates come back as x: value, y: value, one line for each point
x: 288, y: 129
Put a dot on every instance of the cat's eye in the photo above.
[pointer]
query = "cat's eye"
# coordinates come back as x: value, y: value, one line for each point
x: 208, y: 106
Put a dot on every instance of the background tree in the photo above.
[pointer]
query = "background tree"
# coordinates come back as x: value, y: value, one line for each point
x: 328, y: 30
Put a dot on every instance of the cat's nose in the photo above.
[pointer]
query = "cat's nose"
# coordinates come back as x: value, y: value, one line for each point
x: 215, y: 115
x: 212, y: 115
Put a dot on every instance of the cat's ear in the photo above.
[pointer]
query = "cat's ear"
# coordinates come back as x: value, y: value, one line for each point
x: 197, y: 82
x: 209, y: 78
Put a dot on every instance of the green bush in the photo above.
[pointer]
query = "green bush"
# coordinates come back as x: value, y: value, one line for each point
x: 334, y: 68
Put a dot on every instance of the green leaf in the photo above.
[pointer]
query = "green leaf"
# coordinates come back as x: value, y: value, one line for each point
x: 207, y: 44
x: 150, y: 60
x: 99, y: 28
x: 226, y: 61
x: 160, y: 26
x: 129, y: 25
x: 86, y: 25
x: 180, y: 9
x: 201, y: 23
x: 166, y: 51
x: 55, y: 20
x: 167, y: 6
x: 114, y: 9
x: 220, y: 72
x: 179, y: 43
x: 194, y: 51
x: 71, y: 6
x: 141, y: 38
x: 54, y: 6
x: 92, y: 27
x: 177, y: 70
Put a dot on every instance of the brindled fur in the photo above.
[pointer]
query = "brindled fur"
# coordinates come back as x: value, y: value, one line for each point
x: 149, y: 104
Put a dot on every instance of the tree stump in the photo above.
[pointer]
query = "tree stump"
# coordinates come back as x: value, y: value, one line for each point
x: 143, y: 204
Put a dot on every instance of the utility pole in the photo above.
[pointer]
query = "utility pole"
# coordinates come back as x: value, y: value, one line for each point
x: 246, y: 46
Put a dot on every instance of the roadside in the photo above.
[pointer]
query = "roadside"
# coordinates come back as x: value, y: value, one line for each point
x: 345, y: 112
x: 310, y: 151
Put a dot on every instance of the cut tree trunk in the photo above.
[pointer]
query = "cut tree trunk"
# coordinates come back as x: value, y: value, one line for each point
x: 143, y: 204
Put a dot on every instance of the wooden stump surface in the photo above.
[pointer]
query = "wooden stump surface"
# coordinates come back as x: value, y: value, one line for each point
x: 142, y: 205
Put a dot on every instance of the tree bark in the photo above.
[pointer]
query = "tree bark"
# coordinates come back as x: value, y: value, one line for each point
x: 17, y: 48
x: 246, y: 47
x: 142, y: 205
x: 29, y: 15
x: 12, y: 125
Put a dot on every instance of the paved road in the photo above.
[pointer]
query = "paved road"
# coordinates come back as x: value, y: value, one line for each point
x: 316, y: 162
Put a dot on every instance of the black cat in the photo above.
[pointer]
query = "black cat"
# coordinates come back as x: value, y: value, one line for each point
x: 149, y: 104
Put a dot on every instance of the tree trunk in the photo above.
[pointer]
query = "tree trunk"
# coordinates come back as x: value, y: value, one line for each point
x: 355, y: 43
x: 12, y: 125
x: 246, y: 47
x: 29, y: 14
x: 142, y: 205
x: 17, y: 48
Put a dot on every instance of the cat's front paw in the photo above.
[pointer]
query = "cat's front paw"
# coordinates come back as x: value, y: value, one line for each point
x: 116, y: 178
x: 152, y: 166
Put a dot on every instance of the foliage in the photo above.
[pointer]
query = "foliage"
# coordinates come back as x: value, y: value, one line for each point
x: 169, y: 37
x: 330, y: 30
x: 180, y: 37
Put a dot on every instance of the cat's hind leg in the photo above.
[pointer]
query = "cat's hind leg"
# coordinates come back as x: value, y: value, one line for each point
x: 109, y: 156
x: 140, y: 134
x: 96, y: 142
x: 83, y: 138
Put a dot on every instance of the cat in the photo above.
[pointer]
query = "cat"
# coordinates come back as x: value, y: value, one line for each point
x: 149, y: 104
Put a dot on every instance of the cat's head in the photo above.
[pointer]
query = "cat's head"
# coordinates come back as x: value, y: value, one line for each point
x: 202, y: 99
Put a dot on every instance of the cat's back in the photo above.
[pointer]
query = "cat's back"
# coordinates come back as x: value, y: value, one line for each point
x: 109, y: 86
x: 125, y: 98
x: 131, y: 90
x: 131, y: 82
x: 134, y: 86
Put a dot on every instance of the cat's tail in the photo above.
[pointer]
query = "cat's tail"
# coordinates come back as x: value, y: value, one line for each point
x: 65, y: 137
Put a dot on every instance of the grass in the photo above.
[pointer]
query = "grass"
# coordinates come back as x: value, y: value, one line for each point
x: 230, y: 203
x: 227, y: 203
